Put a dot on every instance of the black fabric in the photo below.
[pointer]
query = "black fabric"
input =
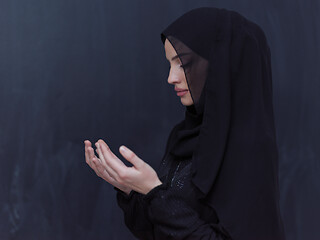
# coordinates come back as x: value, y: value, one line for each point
x: 185, y: 139
x: 230, y: 131
x: 170, y: 210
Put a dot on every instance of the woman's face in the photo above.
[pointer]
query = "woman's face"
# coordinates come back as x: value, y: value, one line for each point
x: 176, y: 75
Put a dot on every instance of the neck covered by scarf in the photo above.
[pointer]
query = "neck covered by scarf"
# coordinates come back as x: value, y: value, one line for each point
x: 229, y: 131
x: 187, y: 134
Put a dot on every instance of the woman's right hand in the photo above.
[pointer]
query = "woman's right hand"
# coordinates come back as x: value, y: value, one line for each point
x: 103, y: 173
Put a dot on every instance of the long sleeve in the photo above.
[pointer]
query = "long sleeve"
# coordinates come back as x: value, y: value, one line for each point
x: 170, y: 210
x: 173, y: 216
x: 135, y: 214
x: 134, y: 208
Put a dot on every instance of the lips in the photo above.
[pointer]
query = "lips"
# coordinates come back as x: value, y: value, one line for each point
x: 181, y: 93
x: 180, y: 89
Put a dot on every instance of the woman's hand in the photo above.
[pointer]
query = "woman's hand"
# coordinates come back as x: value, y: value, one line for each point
x: 141, y: 177
x: 91, y: 158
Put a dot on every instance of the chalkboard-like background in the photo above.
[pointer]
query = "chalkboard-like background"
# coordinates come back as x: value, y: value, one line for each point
x: 72, y: 70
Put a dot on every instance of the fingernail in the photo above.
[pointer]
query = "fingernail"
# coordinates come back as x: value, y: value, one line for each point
x: 122, y: 148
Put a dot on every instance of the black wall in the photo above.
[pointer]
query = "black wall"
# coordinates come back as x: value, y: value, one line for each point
x: 72, y: 70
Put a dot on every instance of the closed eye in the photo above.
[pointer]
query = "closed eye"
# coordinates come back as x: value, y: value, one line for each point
x: 186, y: 65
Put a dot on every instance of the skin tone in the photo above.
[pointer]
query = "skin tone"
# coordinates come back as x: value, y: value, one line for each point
x: 176, y: 75
x: 141, y: 177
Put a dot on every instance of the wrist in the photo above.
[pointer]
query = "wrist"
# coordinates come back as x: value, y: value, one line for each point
x: 157, y: 183
x: 128, y: 191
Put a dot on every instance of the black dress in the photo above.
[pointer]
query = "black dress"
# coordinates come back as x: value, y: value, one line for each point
x: 234, y: 168
x: 170, y: 210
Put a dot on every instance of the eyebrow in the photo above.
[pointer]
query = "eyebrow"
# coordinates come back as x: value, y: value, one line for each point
x: 179, y: 55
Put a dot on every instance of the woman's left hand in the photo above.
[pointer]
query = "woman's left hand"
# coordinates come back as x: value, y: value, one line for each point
x: 141, y: 177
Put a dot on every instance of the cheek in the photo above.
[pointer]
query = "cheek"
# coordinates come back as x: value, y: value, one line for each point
x: 178, y: 74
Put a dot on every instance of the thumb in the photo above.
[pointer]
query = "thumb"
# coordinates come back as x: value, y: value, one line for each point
x: 131, y: 156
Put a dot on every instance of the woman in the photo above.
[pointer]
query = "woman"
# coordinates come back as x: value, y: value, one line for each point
x: 218, y: 178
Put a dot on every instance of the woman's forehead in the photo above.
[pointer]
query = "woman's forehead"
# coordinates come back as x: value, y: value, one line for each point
x: 169, y: 50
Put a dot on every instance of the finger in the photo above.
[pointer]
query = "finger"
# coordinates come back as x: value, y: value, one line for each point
x: 103, y: 172
x: 95, y: 166
x: 110, y: 171
x: 105, y: 175
x: 109, y: 152
x: 91, y: 153
x: 87, y: 144
x: 87, y: 154
x: 92, y: 156
x: 111, y: 159
x: 131, y: 157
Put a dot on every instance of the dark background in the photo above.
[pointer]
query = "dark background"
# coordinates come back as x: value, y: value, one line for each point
x: 72, y: 70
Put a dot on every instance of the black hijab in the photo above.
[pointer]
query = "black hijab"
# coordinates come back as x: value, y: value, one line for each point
x: 229, y: 131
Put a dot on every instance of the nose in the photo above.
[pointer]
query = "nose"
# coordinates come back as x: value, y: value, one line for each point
x: 172, y: 78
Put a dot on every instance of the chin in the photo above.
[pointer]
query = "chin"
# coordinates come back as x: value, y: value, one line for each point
x: 186, y: 103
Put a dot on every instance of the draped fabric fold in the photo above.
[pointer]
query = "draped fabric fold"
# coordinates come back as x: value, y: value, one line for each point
x: 229, y: 131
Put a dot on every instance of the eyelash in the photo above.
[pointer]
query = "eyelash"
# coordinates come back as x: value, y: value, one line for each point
x: 184, y: 65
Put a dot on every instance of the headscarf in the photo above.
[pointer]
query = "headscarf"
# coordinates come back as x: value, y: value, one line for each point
x: 229, y: 131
